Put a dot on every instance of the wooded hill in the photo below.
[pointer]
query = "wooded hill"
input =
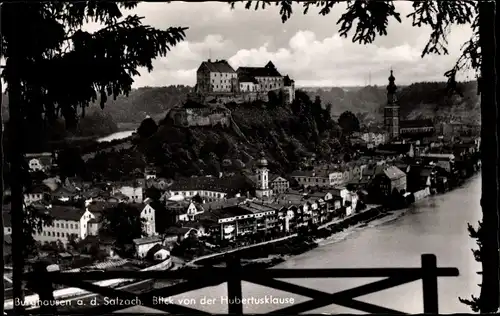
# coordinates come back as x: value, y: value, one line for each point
x: 423, y: 99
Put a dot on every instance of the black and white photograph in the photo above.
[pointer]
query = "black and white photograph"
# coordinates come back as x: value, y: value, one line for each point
x: 249, y: 157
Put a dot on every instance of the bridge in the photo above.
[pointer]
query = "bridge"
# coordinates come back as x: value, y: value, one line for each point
x: 234, y: 273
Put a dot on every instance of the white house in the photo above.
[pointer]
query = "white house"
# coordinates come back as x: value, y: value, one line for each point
x: 68, y: 222
x: 135, y: 193
x: 143, y: 245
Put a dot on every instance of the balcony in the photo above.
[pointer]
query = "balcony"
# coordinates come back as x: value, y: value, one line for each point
x: 234, y: 274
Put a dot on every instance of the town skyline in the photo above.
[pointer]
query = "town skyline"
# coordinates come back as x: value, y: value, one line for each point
x: 307, y: 47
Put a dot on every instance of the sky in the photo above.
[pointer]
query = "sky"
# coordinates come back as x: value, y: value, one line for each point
x: 306, y: 47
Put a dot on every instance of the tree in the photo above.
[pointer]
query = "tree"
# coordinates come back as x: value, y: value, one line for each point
x: 147, y: 128
x: 123, y: 223
x: 349, y: 123
x: 47, y: 38
x: 371, y: 18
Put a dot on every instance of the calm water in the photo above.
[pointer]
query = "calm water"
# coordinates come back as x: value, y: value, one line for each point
x: 115, y: 136
x: 436, y: 225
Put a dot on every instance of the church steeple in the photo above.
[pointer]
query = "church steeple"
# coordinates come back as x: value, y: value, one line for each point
x: 391, y: 110
x: 391, y: 89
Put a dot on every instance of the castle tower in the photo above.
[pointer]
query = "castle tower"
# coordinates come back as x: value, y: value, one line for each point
x: 262, y: 189
x: 391, y: 110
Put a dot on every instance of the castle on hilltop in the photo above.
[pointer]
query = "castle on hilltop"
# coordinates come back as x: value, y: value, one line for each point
x: 217, y: 79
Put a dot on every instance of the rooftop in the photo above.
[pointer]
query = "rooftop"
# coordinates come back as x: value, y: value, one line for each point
x: 217, y: 66
x: 394, y: 173
x: 147, y: 240
x: 230, y: 185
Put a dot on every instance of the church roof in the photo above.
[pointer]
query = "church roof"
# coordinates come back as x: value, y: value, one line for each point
x: 416, y: 123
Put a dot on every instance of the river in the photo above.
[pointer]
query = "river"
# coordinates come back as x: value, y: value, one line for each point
x: 115, y: 136
x: 435, y: 225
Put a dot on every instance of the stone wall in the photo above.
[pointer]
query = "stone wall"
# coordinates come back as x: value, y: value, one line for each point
x: 200, y: 117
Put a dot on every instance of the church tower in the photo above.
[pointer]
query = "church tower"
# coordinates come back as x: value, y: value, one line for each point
x: 391, y: 110
x: 262, y: 189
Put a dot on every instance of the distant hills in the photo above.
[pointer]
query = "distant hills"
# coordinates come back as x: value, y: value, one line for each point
x: 423, y: 99
x: 418, y: 100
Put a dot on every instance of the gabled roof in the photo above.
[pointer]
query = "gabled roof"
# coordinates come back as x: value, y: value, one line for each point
x: 147, y: 240
x: 393, y: 173
x: 217, y: 66
x: 68, y: 213
x: 175, y: 230
x: 98, y: 207
x: 268, y: 71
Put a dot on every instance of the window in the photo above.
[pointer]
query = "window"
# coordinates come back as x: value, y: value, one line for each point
x: 57, y: 225
x: 58, y: 234
x: 67, y: 225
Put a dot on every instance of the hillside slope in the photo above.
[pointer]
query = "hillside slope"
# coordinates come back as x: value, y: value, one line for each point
x: 423, y: 99
x: 286, y: 134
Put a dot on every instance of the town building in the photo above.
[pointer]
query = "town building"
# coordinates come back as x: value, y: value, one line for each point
x: 241, y: 219
x: 132, y: 189
x: 278, y: 184
x: 389, y: 180
x: 68, y: 222
x: 396, y: 150
x: 212, y: 188
x: 97, y: 210
x: 185, y: 210
x: 322, y: 176
x: 143, y: 245
x: 444, y: 160
x: 416, y: 128
x: 373, y: 139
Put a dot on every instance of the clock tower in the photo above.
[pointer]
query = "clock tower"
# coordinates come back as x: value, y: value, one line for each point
x: 391, y: 110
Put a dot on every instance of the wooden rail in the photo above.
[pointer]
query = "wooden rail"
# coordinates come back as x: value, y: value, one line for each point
x: 234, y: 274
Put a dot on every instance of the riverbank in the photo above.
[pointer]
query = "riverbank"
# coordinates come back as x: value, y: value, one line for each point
x: 276, y: 251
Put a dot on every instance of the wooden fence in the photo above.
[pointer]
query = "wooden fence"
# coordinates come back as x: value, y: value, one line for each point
x: 234, y: 274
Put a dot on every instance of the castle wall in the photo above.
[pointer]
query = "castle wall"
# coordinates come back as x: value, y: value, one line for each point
x: 200, y: 117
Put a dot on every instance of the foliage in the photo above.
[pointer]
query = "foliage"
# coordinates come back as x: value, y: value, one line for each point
x: 70, y: 162
x: 105, y: 60
x: 153, y: 101
x: 33, y: 222
x: 147, y: 128
x: 123, y: 223
x: 348, y: 122
x: 286, y: 132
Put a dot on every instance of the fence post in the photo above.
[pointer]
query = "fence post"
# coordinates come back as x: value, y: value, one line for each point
x: 41, y: 283
x: 234, y: 292
x: 430, y: 283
